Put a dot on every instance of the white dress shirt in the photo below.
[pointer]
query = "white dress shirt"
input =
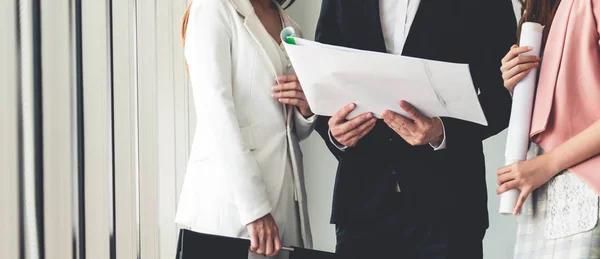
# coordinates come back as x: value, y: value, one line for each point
x: 397, y: 17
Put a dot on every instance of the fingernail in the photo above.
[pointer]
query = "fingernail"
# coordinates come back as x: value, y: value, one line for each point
x: 369, y: 115
x: 352, y: 105
x: 530, y: 48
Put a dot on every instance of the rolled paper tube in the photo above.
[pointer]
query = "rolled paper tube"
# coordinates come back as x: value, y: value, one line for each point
x: 517, y: 142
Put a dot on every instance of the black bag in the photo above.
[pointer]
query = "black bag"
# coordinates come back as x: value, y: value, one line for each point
x: 301, y: 253
x: 193, y: 245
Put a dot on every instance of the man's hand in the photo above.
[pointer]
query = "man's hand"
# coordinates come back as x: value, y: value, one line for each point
x: 420, y: 130
x: 264, y: 236
x: 349, y: 132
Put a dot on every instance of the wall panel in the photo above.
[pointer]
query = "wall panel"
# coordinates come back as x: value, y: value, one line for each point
x: 10, y: 223
x: 148, y: 126
x: 59, y: 126
x: 97, y: 97
x: 125, y: 129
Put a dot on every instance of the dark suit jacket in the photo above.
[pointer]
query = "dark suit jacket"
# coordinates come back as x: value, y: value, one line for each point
x: 447, y: 185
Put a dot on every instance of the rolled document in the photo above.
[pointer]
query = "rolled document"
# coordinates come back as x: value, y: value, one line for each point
x: 517, y: 141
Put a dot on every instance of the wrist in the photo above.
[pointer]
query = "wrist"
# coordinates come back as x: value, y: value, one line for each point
x: 438, y: 133
x: 306, y: 112
x: 553, y: 164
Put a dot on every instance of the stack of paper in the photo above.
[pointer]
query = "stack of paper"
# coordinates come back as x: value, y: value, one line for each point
x: 333, y: 77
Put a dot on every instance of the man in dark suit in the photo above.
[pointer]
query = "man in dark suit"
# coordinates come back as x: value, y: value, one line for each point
x: 415, y: 188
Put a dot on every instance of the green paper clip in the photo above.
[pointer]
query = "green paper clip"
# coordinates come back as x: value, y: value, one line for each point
x: 290, y: 40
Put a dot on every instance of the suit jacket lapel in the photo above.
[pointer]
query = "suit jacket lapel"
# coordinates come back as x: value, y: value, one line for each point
x: 422, y: 40
x: 360, y: 25
x: 258, y: 32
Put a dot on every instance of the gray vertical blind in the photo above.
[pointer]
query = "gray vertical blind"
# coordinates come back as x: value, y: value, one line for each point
x: 96, y: 131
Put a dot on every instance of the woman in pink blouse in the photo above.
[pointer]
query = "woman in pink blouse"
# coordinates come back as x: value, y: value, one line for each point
x: 562, y: 176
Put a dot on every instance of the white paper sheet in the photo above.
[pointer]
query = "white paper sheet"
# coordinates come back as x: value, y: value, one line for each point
x: 333, y: 77
x: 517, y: 141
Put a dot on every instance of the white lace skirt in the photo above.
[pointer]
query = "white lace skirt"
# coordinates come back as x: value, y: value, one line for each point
x: 559, y: 220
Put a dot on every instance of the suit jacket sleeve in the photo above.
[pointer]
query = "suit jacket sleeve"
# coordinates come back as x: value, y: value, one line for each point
x: 328, y: 32
x: 494, y: 32
x: 208, y: 54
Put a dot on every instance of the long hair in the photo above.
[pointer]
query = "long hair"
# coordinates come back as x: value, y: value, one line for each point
x: 538, y: 11
x: 186, y: 16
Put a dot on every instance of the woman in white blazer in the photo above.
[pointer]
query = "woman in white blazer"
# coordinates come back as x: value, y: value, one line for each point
x: 245, y: 176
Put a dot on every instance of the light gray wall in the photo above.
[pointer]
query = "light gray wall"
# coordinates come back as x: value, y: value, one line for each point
x: 320, y: 168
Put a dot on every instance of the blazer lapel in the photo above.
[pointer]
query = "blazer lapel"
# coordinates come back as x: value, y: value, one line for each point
x: 258, y: 32
x: 360, y: 25
x: 422, y: 40
x: 551, y: 62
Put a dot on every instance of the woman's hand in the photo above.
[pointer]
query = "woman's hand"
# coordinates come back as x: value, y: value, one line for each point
x: 526, y: 176
x: 289, y: 91
x: 515, y: 68
x: 264, y: 236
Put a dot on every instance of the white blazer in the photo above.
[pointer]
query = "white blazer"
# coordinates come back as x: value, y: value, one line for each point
x: 237, y: 161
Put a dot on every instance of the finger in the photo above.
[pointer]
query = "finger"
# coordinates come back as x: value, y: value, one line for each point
x: 515, y: 52
x: 269, y: 245
x: 519, y: 69
x: 507, y: 186
x: 412, y: 111
x: 505, y: 58
x: 350, y: 125
x: 394, y: 125
x: 287, y: 86
x: 505, y: 169
x: 286, y: 78
x: 290, y: 101
x: 364, y: 126
x: 521, y: 201
x: 352, y: 142
x: 295, y: 102
x: 262, y: 243
x: 340, y: 116
x: 254, y: 243
x: 516, y: 79
x: 277, y: 245
x: 288, y: 94
x: 397, y: 122
x: 518, y: 61
x: 507, y: 177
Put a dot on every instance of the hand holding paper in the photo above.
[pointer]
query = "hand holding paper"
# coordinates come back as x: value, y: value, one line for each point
x: 419, y: 131
x: 349, y: 132
x: 333, y: 77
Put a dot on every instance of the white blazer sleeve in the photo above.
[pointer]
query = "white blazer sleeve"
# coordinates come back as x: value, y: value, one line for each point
x: 304, y: 126
x: 208, y: 54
